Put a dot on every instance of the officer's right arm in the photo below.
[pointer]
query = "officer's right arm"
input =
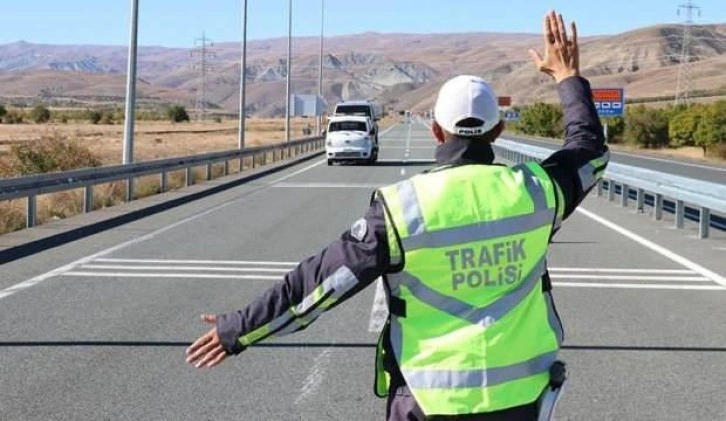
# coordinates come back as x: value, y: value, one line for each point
x: 316, y: 285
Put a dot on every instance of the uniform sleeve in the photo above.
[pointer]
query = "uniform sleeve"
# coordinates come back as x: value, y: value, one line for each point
x: 317, y: 284
x: 582, y: 160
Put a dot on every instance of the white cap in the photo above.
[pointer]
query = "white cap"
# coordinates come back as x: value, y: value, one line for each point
x: 466, y: 97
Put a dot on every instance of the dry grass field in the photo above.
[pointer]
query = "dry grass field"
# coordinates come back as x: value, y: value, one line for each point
x: 153, y: 140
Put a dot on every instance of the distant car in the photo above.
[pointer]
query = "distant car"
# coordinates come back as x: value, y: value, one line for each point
x: 363, y: 108
x: 351, y: 138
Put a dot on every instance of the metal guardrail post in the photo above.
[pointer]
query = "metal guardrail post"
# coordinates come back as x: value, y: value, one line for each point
x: 658, y: 207
x: 254, y: 161
x: 163, y: 182
x: 599, y: 188
x: 209, y: 171
x: 640, y: 200
x: 680, y: 213
x: 30, y: 211
x: 188, y: 177
x: 129, y: 189
x: 704, y: 222
x: 624, y: 192
x: 88, y: 199
x: 611, y: 191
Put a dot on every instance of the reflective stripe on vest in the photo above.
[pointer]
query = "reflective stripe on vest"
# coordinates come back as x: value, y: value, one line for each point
x: 444, y: 344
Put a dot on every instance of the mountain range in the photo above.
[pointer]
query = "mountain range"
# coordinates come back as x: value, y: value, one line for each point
x: 402, y: 71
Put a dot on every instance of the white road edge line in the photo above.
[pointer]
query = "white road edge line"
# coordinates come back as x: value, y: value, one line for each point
x: 614, y: 270
x: 638, y: 286
x: 170, y: 275
x: 70, y: 266
x: 183, y: 268
x: 633, y: 278
x: 715, y: 277
x: 196, y: 262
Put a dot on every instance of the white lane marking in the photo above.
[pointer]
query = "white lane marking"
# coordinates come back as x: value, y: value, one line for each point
x: 170, y: 275
x: 196, y: 262
x: 639, y: 286
x: 554, y: 147
x: 184, y: 268
x: 312, y: 185
x: 309, y: 167
x: 70, y: 266
x: 379, y: 310
x: 315, y: 378
x: 715, y: 277
x: 671, y: 161
x: 409, y: 161
x: 633, y: 278
x: 613, y: 270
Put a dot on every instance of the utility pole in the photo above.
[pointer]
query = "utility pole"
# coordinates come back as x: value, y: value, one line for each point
x: 685, y: 69
x: 202, y: 52
x: 243, y: 79
x: 289, y: 66
x: 130, y: 115
x: 320, y: 75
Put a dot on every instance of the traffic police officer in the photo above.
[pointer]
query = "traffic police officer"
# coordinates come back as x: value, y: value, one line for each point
x: 472, y: 331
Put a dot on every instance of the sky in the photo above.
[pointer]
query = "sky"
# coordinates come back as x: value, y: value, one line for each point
x: 177, y: 23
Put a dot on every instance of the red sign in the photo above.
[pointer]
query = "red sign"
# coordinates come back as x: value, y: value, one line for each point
x: 505, y: 101
x: 607, y: 95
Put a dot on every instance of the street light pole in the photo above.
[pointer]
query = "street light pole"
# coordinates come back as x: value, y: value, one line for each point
x: 289, y: 65
x: 243, y: 79
x: 320, y: 75
x: 128, y: 148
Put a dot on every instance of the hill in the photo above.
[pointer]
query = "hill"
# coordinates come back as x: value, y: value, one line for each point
x: 403, y: 71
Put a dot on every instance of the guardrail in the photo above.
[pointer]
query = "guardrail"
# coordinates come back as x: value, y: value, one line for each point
x: 31, y: 186
x: 631, y: 182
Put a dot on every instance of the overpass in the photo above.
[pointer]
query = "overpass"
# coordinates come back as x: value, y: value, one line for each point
x: 97, y: 328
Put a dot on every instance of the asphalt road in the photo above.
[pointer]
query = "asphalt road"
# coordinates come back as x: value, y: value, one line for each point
x: 706, y: 172
x: 97, y: 329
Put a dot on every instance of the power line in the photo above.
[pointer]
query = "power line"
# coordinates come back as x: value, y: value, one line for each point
x: 685, y: 70
x: 203, y: 54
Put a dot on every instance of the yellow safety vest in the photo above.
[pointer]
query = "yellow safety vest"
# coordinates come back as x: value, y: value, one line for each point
x: 476, y: 332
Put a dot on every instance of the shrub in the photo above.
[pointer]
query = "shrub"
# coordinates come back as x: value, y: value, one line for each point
x: 49, y: 154
x: 177, y: 114
x: 40, y: 114
x: 541, y: 119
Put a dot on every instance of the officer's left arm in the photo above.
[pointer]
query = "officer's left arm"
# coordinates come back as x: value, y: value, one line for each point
x: 316, y: 285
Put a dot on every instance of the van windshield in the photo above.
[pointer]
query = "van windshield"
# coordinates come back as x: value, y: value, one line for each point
x: 362, y: 110
x: 339, y: 126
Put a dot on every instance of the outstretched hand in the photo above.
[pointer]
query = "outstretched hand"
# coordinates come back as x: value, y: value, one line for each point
x: 562, y: 55
x: 207, y: 351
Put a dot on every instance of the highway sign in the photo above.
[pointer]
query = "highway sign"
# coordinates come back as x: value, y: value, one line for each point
x: 609, y: 102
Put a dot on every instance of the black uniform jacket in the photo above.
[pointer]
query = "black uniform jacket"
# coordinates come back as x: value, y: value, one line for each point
x: 360, y: 255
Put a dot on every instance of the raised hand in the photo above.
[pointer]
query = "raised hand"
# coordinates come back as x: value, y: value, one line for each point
x: 561, y: 54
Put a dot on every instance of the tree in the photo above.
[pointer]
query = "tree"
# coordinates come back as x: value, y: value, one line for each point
x: 3, y: 111
x: 542, y: 119
x: 646, y: 127
x: 616, y: 128
x: 683, y: 125
x: 711, y: 130
x: 40, y: 114
x: 177, y: 114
